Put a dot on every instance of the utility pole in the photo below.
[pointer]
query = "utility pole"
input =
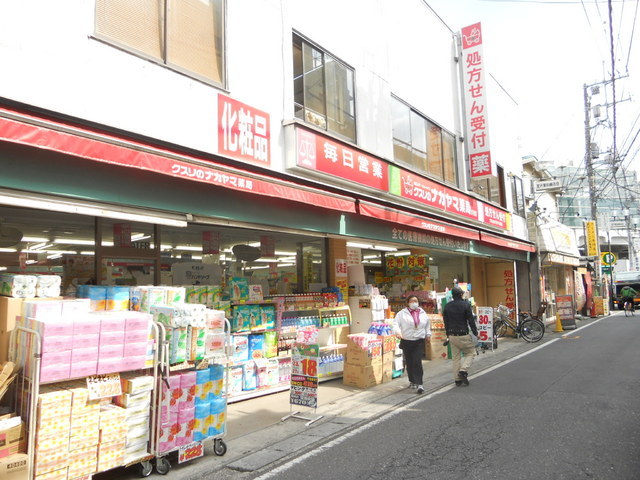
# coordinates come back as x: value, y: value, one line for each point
x: 588, y: 160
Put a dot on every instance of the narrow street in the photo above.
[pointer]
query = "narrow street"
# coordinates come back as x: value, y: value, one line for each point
x: 569, y: 410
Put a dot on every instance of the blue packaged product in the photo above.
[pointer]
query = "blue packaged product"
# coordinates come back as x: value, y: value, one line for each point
x: 268, y: 314
x: 216, y: 371
x: 117, y: 298
x: 203, y: 376
x: 256, y: 346
x: 203, y: 409
x: 250, y: 376
x: 217, y: 405
x: 97, y: 298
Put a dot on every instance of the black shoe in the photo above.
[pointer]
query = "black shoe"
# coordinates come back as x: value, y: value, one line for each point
x: 458, y: 383
x: 463, y: 376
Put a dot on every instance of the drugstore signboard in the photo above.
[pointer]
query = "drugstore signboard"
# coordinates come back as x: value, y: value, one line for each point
x: 321, y: 154
x: 244, y: 132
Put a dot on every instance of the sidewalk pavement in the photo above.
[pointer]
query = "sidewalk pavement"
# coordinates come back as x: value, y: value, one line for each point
x: 257, y: 437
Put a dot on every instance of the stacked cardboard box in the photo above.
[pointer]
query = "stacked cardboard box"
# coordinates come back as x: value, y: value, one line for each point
x: 388, y: 356
x: 434, y: 350
x: 363, y: 364
x: 10, y: 308
x: 53, y: 431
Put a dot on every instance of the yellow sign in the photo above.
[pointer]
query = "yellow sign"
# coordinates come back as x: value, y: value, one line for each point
x: 609, y: 258
x: 592, y: 238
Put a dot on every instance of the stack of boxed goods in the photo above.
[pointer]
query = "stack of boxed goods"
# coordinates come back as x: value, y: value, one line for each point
x: 77, y: 343
x: 434, y: 349
x: 363, y: 366
x: 25, y: 286
x: 136, y: 400
x: 76, y: 436
x: 186, y: 330
x: 118, y: 298
x: 248, y: 318
x: 388, y: 356
x: 193, y: 407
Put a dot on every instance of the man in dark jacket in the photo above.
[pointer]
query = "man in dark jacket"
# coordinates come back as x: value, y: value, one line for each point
x: 458, y: 320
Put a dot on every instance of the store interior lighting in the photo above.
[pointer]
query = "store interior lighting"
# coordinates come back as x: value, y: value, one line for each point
x: 81, y: 208
x: 369, y: 246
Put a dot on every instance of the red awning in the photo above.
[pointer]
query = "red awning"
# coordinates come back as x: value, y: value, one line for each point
x: 38, y: 132
x: 506, y: 242
x: 407, y: 219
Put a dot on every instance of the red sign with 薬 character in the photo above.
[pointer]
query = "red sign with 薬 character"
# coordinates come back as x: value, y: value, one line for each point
x: 243, y: 132
x: 329, y: 156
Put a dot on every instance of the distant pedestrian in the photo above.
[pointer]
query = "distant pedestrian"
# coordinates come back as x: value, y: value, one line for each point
x: 413, y: 326
x: 458, y: 320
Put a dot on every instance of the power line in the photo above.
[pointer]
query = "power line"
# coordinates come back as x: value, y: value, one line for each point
x: 633, y: 28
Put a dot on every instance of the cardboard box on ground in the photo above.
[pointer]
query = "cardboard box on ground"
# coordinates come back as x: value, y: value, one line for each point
x: 434, y: 350
x: 10, y: 308
x: 14, y: 467
x: 365, y: 368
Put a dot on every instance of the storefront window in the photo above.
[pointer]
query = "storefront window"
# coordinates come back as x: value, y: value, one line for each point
x: 517, y: 196
x: 491, y: 188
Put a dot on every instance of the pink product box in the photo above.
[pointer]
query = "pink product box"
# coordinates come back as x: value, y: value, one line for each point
x: 55, y: 373
x: 136, y: 336
x: 83, y: 369
x: 55, y: 358
x: 86, y: 325
x: 89, y: 354
x: 186, y: 415
x: 76, y: 307
x: 187, y: 379
x: 86, y: 340
x: 56, y: 344
x: 168, y: 415
x: 111, y: 338
x: 111, y: 351
x: 112, y: 323
x: 134, y: 363
x: 138, y: 321
x: 184, y: 440
x: 48, y: 328
x: 185, y: 407
x: 43, y: 309
x: 109, y: 365
x: 135, y: 349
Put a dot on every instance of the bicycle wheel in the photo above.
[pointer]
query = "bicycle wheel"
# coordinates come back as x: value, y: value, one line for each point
x: 532, y: 330
x: 499, y: 328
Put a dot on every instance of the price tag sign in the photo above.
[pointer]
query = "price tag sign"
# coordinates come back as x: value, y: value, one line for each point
x: 103, y: 386
x: 191, y: 451
x: 485, y: 325
x: 304, y: 391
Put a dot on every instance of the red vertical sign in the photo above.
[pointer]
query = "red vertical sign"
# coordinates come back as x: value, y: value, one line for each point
x: 475, y: 96
x: 210, y: 242
x: 267, y: 246
x: 122, y: 235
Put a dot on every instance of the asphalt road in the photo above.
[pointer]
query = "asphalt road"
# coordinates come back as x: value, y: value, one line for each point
x: 567, y: 410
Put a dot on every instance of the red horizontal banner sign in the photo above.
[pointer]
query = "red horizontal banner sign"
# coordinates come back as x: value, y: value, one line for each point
x: 409, y: 220
x: 102, y: 151
x: 507, y: 243
x: 321, y: 154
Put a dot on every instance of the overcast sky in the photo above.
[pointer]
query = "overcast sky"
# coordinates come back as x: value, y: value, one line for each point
x: 543, y: 52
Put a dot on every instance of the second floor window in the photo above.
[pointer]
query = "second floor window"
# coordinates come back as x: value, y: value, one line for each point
x: 422, y: 145
x: 517, y: 196
x: 323, y: 90
x: 186, y: 35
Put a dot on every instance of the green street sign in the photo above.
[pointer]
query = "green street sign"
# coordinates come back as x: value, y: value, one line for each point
x: 609, y: 258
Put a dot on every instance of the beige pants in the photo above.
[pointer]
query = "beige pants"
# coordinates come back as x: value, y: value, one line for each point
x: 461, y: 344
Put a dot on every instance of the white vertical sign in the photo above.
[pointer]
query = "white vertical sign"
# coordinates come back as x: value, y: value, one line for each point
x: 485, y: 325
x: 475, y: 99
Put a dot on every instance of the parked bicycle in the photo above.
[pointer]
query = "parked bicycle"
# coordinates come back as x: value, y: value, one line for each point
x: 526, y: 325
x: 628, y: 308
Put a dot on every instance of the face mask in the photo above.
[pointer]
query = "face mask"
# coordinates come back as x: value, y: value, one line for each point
x: 413, y: 306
